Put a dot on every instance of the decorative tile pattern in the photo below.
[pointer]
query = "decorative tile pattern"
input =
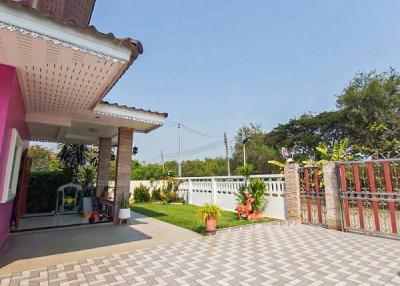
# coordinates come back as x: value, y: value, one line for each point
x: 270, y: 255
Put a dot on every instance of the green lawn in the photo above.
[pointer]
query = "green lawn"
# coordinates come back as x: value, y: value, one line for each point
x: 185, y: 215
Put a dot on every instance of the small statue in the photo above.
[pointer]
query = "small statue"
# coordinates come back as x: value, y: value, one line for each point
x: 245, y: 210
x: 287, y: 154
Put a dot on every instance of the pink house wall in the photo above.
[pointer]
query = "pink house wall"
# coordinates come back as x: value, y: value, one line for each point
x: 12, y: 115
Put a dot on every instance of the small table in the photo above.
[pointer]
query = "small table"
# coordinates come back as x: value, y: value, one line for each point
x: 107, y: 206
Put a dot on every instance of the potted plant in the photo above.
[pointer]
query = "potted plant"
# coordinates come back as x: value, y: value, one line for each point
x: 87, y: 202
x: 209, y: 214
x: 124, y: 208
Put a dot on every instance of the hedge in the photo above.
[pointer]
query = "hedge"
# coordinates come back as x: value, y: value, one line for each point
x: 42, y: 188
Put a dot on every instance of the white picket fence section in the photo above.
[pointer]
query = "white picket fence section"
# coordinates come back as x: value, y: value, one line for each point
x: 222, y: 190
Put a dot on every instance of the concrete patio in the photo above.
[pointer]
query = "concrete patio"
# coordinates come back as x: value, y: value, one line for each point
x: 268, y: 255
x: 35, y: 249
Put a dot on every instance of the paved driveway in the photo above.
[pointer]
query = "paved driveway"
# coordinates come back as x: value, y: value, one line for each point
x: 271, y: 255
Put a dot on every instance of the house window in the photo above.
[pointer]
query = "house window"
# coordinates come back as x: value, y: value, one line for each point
x: 12, y: 167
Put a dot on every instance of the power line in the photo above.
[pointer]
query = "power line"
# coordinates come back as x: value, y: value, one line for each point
x: 190, y: 152
x: 194, y: 131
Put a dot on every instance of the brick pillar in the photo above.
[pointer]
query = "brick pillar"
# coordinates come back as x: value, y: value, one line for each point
x: 292, y: 191
x: 123, y: 167
x: 332, y: 199
x: 103, y: 168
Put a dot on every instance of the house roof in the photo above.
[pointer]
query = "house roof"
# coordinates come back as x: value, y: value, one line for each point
x: 64, y: 72
x: 135, y: 46
x: 128, y: 42
x: 164, y: 114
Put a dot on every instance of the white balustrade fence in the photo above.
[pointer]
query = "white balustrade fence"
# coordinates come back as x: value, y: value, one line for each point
x: 221, y: 191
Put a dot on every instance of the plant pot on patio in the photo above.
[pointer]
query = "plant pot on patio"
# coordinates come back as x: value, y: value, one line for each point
x: 209, y: 214
x: 124, y: 212
x: 87, y: 200
x: 87, y: 206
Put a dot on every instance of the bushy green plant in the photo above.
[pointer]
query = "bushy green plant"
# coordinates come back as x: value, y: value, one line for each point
x: 156, y: 194
x: 124, y: 202
x: 170, y: 191
x: 257, y: 190
x: 246, y: 171
x: 172, y: 197
x: 89, y: 191
x: 141, y: 194
x: 241, y: 195
x: 209, y: 211
x: 86, y: 176
x: 255, y: 187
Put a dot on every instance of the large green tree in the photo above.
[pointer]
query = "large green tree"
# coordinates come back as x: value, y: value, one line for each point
x: 305, y: 133
x: 207, y: 167
x: 43, y: 159
x: 73, y: 156
x: 258, y: 152
x: 371, y: 108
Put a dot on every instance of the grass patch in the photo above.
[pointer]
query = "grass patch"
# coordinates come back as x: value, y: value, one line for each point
x: 184, y: 215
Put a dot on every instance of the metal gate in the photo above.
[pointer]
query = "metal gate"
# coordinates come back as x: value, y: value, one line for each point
x: 312, y: 196
x: 370, y: 196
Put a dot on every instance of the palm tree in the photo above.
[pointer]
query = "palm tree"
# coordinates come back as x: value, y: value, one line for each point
x: 73, y: 156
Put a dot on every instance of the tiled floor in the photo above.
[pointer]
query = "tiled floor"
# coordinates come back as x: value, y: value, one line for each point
x: 29, y: 250
x: 271, y: 255
x: 44, y: 221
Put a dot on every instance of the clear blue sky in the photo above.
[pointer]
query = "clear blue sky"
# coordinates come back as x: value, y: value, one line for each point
x: 217, y: 65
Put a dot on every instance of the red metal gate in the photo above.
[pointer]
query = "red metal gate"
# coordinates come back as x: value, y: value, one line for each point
x: 312, y: 196
x: 370, y: 196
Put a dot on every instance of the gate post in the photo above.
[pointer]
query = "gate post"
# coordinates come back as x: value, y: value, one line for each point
x: 332, y: 198
x: 292, y: 191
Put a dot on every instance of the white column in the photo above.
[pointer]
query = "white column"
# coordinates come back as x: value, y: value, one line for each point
x: 213, y: 191
x: 190, y: 191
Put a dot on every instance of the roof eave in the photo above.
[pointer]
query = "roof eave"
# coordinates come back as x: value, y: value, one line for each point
x: 155, y: 119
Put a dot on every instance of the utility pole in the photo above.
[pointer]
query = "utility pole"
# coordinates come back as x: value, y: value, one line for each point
x: 180, y: 151
x: 227, y: 153
x: 162, y: 160
x: 244, y: 154
x: 245, y: 140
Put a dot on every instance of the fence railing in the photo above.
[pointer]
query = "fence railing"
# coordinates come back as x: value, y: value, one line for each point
x: 370, y: 195
x: 312, y: 196
x: 222, y: 191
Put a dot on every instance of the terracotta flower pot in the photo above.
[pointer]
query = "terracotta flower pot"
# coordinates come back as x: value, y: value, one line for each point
x: 211, y: 226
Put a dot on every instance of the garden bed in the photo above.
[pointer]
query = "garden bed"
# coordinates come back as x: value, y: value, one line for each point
x: 185, y: 215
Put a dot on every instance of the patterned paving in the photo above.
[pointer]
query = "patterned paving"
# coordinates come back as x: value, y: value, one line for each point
x: 266, y: 255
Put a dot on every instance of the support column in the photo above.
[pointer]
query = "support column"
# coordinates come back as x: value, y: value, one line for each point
x: 292, y: 191
x: 332, y: 199
x: 103, y: 168
x: 213, y: 191
x: 123, y: 167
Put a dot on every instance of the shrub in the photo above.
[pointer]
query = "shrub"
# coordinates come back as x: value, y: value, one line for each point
x: 172, y: 197
x: 257, y: 190
x: 141, y: 194
x: 209, y: 211
x: 170, y: 191
x: 255, y: 187
x: 156, y: 195
x: 42, y: 188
